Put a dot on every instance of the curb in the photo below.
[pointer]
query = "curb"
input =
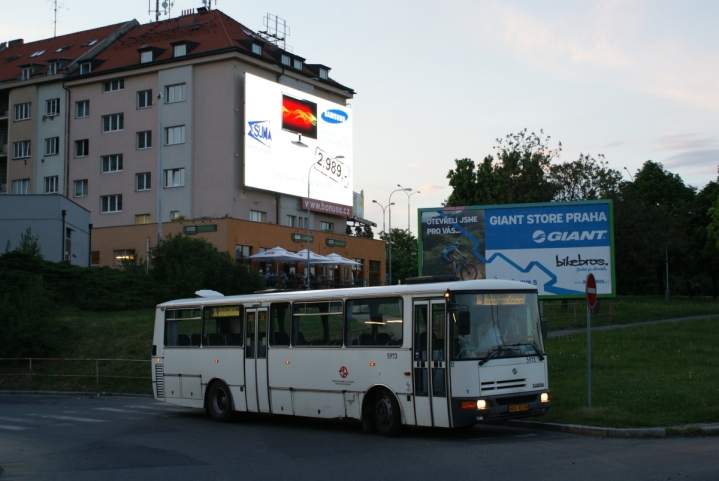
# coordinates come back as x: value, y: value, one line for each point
x: 688, y: 430
x: 73, y: 393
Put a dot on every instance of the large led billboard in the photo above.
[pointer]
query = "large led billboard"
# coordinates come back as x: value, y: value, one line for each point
x: 287, y: 132
x: 552, y: 246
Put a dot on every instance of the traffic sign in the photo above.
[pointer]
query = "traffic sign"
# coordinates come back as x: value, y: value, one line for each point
x: 591, y: 291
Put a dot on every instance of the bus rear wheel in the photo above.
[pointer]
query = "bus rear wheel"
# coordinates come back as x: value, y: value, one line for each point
x: 219, y: 402
x: 387, y: 416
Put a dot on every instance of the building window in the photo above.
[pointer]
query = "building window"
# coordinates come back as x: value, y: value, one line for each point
x: 111, y: 203
x: 90, y: 43
x: 111, y: 163
x: 27, y: 73
x: 303, y: 222
x: 144, y: 99
x: 374, y: 279
x: 285, y: 60
x: 174, y: 178
x: 112, y: 123
x: 52, y: 68
x: 242, y: 252
x: 324, y: 74
x: 174, y: 93
x: 85, y: 68
x: 142, y: 181
x: 146, y: 56
x: 127, y: 255
x: 144, y: 139
x: 82, y: 148
x: 21, y: 186
x: 38, y: 53
x: 175, y: 135
x: 257, y: 216
x: 113, y: 85
x: 51, y: 185
x: 257, y: 49
x: 21, y: 150
x: 174, y: 214
x: 22, y: 111
x: 179, y: 50
x: 292, y: 220
x: 81, y: 188
x: 82, y: 109
x: 95, y: 258
x: 52, y: 146
x: 142, y: 219
x: 52, y: 107
x: 327, y: 226
x: 298, y: 64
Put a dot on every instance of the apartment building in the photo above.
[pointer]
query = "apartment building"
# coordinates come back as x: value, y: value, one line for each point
x: 154, y: 125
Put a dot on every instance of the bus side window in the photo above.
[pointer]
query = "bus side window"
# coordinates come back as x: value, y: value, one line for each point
x: 280, y: 324
x: 183, y: 327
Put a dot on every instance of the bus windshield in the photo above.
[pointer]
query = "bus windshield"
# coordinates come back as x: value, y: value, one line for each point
x: 501, y: 325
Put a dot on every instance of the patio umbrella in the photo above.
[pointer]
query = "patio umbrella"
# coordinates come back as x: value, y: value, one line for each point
x: 314, y: 258
x: 342, y: 261
x: 278, y: 254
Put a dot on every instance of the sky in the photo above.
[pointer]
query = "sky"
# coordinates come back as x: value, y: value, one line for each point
x: 440, y: 80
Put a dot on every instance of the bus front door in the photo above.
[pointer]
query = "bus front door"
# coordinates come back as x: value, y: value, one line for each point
x: 256, y: 360
x: 430, y: 364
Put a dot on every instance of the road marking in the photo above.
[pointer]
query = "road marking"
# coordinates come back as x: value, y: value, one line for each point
x: 117, y: 410
x: 13, y: 428
x: 16, y: 420
x: 72, y: 418
x: 154, y: 408
x: 524, y: 435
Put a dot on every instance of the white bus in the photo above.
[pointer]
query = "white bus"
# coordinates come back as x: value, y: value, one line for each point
x: 444, y: 354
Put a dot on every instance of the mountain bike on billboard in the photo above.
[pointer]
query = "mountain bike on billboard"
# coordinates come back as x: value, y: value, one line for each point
x: 461, y: 267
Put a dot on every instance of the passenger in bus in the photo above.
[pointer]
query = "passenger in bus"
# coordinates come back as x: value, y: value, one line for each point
x: 489, y: 335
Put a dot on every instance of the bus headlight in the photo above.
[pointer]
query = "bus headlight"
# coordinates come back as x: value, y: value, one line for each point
x: 481, y: 404
x: 544, y: 397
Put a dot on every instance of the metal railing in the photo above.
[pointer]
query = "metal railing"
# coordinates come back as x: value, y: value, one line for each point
x: 32, y: 372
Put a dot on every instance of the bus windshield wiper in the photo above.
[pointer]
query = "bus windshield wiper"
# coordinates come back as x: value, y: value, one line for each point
x: 539, y: 353
x: 492, y: 353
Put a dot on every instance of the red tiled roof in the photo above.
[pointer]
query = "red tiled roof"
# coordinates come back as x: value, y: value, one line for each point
x: 12, y: 58
x: 205, y: 33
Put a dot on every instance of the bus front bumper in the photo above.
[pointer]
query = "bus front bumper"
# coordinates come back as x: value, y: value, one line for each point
x: 470, y: 411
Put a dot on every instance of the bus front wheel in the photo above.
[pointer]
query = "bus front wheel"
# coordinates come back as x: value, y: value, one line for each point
x: 219, y: 402
x: 387, y: 416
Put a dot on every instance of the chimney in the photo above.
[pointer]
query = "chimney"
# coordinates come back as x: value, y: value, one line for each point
x: 15, y: 43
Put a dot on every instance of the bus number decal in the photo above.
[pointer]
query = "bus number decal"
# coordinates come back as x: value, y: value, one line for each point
x: 531, y: 359
x: 391, y: 355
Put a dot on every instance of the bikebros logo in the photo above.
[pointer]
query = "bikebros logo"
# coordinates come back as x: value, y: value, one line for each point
x: 260, y: 131
x: 539, y: 236
x: 334, y: 116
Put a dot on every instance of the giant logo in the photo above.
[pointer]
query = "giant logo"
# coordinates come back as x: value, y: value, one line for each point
x: 260, y: 131
x: 334, y: 116
x: 539, y: 236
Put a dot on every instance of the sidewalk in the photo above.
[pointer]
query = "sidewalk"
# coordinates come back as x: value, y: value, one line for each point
x: 567, y: 332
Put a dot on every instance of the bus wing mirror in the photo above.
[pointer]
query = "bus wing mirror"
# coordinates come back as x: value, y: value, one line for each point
x: 463, y: 322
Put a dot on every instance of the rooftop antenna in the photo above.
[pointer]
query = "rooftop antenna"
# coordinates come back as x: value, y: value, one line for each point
x: 276, y: 31
x: 208, y: 4
x: 160, y: 9
x: 55, y: 8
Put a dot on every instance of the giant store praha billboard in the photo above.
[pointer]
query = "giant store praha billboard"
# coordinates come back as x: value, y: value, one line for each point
x: 286, y: 131
x: 552, y: 246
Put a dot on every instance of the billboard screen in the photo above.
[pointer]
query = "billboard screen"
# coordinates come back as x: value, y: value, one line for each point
x: 286, y: 132
x: 552, y: 246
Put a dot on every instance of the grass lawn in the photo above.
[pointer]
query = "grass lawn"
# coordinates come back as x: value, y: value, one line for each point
x: 657, y: 375
x: 627, y: 309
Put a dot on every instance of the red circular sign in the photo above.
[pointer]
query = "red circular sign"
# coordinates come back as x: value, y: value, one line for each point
x: 591, y: 291
x: 343, y: 372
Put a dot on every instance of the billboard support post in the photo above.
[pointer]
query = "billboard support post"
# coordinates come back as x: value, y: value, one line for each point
x: 591, y: 293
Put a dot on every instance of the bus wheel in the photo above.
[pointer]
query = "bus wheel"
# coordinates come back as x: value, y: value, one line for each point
x: 387, y: 416
x: 219, y: 402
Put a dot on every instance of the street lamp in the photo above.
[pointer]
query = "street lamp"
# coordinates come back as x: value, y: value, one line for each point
x: 308, y: 210
x: 408, y: 196
x: 630, y: 174
x: 390, y: 229
x: 383, y: 208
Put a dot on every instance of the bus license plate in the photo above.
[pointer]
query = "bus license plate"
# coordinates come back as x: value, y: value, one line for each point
x: 518, y: 407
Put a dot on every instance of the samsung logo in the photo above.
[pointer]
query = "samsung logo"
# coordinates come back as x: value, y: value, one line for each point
x: 260, y: 131
x: 334, y: 116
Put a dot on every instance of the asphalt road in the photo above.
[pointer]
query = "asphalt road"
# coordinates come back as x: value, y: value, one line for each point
x: 119, y: 438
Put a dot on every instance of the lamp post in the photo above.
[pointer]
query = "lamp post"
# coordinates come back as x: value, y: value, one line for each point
x: 390, y: 229
x: 408, y: 196
x: 630, y: 174
x: 383, y: 208
x: 314, y: 164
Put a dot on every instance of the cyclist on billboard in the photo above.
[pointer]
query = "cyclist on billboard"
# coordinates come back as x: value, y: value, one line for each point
x: 449, y: 255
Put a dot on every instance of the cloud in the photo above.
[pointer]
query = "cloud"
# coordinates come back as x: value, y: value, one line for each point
x: 426, y: 188
x: 694, y: 161
x: 687, y: 142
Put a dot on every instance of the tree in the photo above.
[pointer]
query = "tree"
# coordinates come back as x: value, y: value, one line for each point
x: 404, y: 254
x: 29, y: 244
x: 706, y: 212
x: 518, y: 175
x: 584, y: 179
x: 186, y: 265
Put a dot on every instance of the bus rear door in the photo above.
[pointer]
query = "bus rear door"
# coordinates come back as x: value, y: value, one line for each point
x: 256, y: 360
x: 430, y: 363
